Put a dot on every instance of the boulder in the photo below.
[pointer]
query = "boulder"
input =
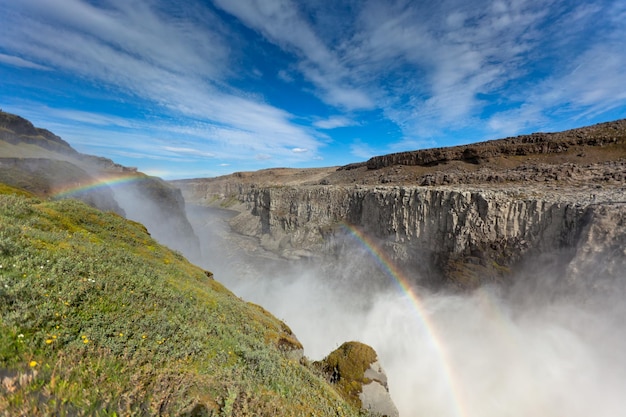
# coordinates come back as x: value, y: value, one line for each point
x: 353, y: 369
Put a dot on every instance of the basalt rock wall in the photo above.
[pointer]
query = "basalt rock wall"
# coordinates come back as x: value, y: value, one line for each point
x: 459, y: 235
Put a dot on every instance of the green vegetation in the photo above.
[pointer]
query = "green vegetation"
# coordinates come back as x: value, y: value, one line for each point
x: 40, y: 176
x: 97, y: 318
x: 229, y: 201
x: 346, y: 366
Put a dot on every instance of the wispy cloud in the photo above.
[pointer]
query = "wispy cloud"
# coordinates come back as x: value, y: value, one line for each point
x: 176, y: 62
x: 334, y: 122
x: 429, y: 66
x: 362, y: 150
x: 16, y: 61
x: 188, y: 151
x: 588, y: 82
x: 281, y: 22
x: 455, y: 52
x: 400, y: 74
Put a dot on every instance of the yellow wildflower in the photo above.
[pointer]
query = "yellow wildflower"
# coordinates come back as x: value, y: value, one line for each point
x: 48, y: 341
x: 32, y: 364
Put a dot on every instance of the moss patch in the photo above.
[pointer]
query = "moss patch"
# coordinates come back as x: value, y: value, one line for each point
x: 345, y: 369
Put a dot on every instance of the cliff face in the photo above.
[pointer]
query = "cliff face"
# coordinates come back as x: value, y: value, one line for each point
x: 468, y: 235
x: 462, y: 215
x: 161, y: 208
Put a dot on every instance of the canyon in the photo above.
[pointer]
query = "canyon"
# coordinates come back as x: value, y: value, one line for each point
x: 456, y: 217
x: 490, y: 281
x: 508, y: 254
x: 247, y: 352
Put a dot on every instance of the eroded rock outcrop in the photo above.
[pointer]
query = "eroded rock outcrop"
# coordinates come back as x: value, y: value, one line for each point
x: 354, y: 370
x: 601, y: 248
x: 537, y: 143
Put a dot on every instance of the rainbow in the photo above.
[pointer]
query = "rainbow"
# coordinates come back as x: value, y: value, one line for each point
x: 388, y: 266
x: 110, y: 180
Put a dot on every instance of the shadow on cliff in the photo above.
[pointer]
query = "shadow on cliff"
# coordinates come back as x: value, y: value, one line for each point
x: 540, y: 346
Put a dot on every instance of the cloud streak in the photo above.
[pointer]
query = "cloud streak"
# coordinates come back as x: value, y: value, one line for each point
x: 20, y: 62
x: 433, y: 68
x: 174, y: 62
x: 254, y: 80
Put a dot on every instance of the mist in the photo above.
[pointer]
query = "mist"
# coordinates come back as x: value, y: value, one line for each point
x: 161, y: 209
x: 533, y: 348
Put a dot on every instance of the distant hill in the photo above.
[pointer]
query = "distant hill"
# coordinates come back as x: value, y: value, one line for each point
x: 485, y: 162
x: 42, y: 163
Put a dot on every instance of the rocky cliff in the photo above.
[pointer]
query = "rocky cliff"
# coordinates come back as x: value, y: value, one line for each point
x: 474, y: 222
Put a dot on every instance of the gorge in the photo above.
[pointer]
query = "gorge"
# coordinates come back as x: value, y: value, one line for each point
x: 488, y: 281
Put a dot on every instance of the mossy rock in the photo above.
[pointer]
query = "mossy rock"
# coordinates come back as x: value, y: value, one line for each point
x: 345, y: 369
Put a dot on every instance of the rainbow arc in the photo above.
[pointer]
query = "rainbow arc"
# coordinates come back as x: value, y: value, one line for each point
x: 392, y: 271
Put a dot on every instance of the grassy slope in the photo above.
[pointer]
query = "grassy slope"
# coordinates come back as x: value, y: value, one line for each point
x: 96, y: 318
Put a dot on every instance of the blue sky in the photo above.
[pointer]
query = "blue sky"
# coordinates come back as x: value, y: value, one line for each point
x: 186, y: 89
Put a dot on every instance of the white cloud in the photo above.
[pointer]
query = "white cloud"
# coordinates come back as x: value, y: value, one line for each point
x: 16, y: 61
x: 431, y: 68
x: 590, y: 83
x: 147, y: 54
x: 97, y: 119
x: 188, y: 151
x: 281, y: 22
x: 478, y: 53
x: 362, y: 150
x: 299, y: 150
x: 334, y: 122
x: 594, y: 86
x: 285, y: 76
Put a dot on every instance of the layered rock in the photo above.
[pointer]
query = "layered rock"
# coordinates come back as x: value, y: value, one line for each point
x: 537, y: 143
x: 465, y: 215
x: 467, y: 235
x: 601, y: 247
